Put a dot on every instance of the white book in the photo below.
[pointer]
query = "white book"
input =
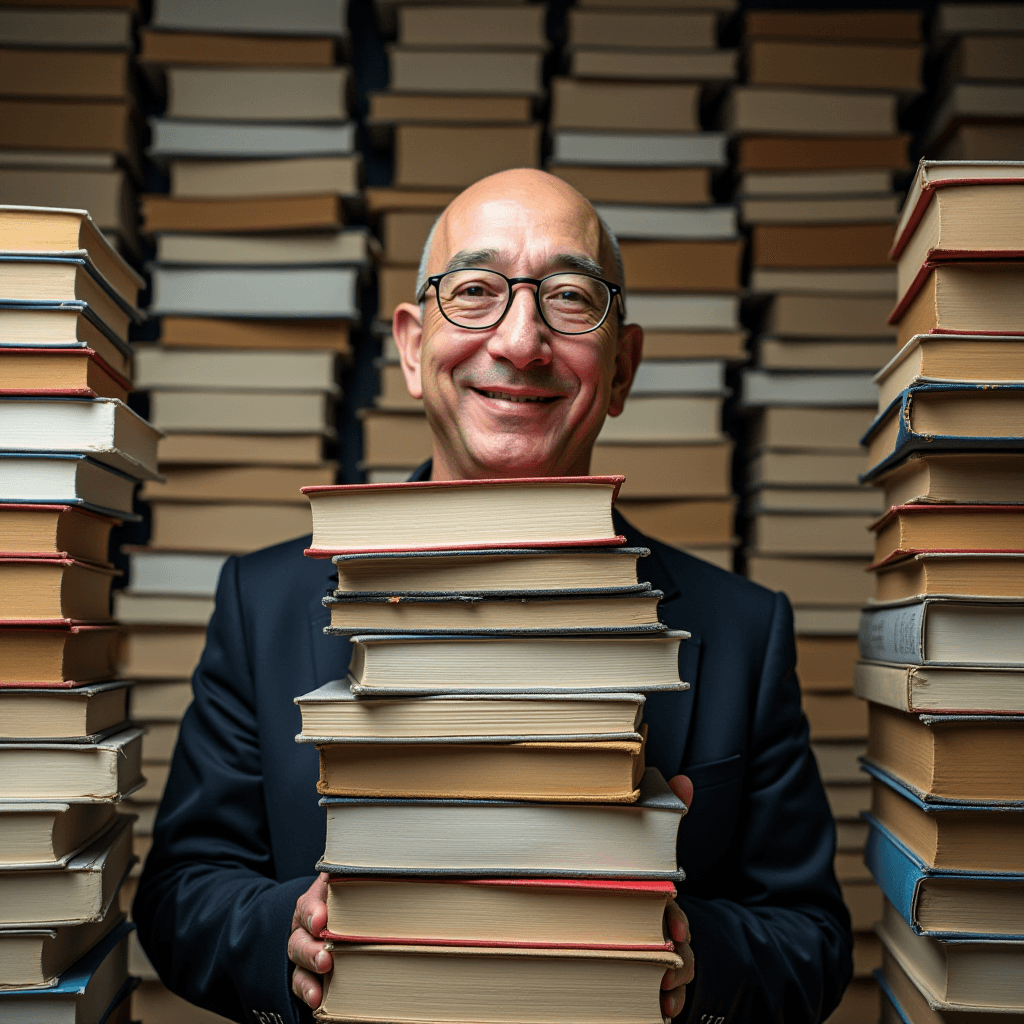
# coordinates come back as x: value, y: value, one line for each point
x: 679, y: 312
x: 679, y: 377
x: 771, y: 387
x: 353, y: 246
x: 66, y: 480
x: 308, y: 292
x: 639, y: 149
x: 105, y: 429
x: 213, y: 369
x: 133, y: 609
x: 241, y: 412
x: 172, y: 138
x: 191, y: 573
x: 258, y: 17
x: 60, y: 27
x: 670, y: 222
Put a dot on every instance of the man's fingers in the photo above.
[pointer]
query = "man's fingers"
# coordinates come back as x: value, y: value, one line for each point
x: 682, y: 787
x: 307, y: 952
x: 678, y: 925
x: 311, y: 907
x: 307, y: 987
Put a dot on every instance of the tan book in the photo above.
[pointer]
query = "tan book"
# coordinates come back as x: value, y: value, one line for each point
x: 131, y: 609
x: 74, y: 372
x: 832, y: 210
x: 956, y: 573
x: 54, y: 590
x: 512, y: 26
x: 231, y: 449
x: 852, y: 835
x: 158, y: 745
x: 774, y: 468
x: 232, y: 527
x: 864, y: 900
x: 842, y: 316
x: 683, y: 523
x: 57, y: 657
x: 752, y: 110
x: 654, y: 65
x: 82, y: 713
x: 404, y: 233
x: 728, y: 345
x: 908, y: 529
x: 156, y: 1004
x: 379, y: 198
x: 642, y: 30
x: 184, y: 48
x: 835, y: 64
x: 237, y: 483
x: 48, y: 834
x: 823, y: 183
x: 241, y: 412
x: 780, y: 533
x: 815, y: 246
x: 159, y: 653
x: 948, y: 478
x: 161, y: 700
x: 666, y: 185
x: 389, y: 108
x: 670, y: 418
x: 845, y: 26
x: 862, y: 1001
x: 557, y: 772
x: 279, y: 213
x: 161, y: 367
x: 395, y: 439
x: 849, y: 866
x: 791, y: 500
x: 612, y: 106
x: 454, y: 157
x: 395, y: 285
x: 836, y: 716
x: 790, y: 354
x: 699, y: 470
x: 953, y: 759
x: 848, y: 801
x: 810, y: 428
x: 207, y: 332
x: 807, y: 153
x: 85, y: 74
x: 89, y: 125
x: 825, y: 663
x: 55, y: 530
x: 682, y: 266
x: 925, y: 689
x: 393, y: 394
x: 828, y: 581
x: 442, y: 70
x: 229, y: 179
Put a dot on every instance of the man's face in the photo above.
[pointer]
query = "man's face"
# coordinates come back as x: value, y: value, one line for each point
x: 516, y: 399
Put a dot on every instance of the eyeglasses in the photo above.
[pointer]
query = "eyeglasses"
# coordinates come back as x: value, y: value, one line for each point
x: 568, y: 303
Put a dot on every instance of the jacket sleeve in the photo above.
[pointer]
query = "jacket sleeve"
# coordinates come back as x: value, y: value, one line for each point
x: 210, y: 916
x: 779, y: 949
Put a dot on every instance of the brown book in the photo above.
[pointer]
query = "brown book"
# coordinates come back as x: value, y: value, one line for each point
x: 752, y: 110
x: 961, y: 573
x: 949, y: 478
x: 809, y: 533
x: 830, y: 66
x: 796, y: 153
x: 952, y: 689
x: 234, y: 527
x: 819, y: 210
x: 395, y: 439
x: 817, y: 245
x: 836, y: 716
x: 848, y: 801
x: 517, y: 72
x: 862, y: 1001
x: 664, y: 185
x: 909, y: 529
x: 159, y: 653
x: 850, y: 867
x: 72, y: 74
x: 388, y: 108
x: 81, y: 713
x: 209, y: 332
x: 825, y: 663
x: 516, y: 26
x: 232, y: 449
x: 683, y: 523
x: 972, y: 759
x: 95, y: 125
x: 655, y: 471
x: 654, y: 65
x: 74, y: 372
x: 983, y: 142
x: 864, y: 900
x: 579, y: 772
x: 379, y: 198
x: 54, y: 590
x: 682, y: 266
x: 214, y: 49
x: 845, y: 26
x: 439, y: 156
x: 611, y: 106
x: 395, y: 285
x: 805, y: 354
x: 67, y: 657
x: 404, y: 233
x: 821, y: 429
x: 728, y: 345
x: 643, y: 30
x: 852, y: 835
x: 237, y: 483
x: 393, y: 393
x: 291, y: 177
x: 841, y: 316
x: 980, y: 58
x: 867, y: 954
x: 281, y: 213
x: 830, y: 581
x: 62, y: 531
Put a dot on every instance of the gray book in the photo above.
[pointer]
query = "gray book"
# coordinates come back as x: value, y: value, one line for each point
x: 639, y: 149
x: 255, y: 17
x: 684, y: 223
x: 173, y: 138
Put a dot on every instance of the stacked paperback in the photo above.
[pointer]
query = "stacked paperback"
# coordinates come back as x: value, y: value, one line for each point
x: 943, y: 661
x: 496, y: 848
x: 71, y: 453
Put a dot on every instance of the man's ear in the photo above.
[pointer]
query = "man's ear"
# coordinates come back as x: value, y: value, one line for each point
x: 627, y: 359
x: 407, y: 327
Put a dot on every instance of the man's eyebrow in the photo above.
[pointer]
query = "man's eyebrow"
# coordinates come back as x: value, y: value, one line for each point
x: 574, y: 261
x: 563, y: 260
x: 472, y: 258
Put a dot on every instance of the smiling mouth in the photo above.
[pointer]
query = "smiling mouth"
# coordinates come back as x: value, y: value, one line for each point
x: 503, y: 396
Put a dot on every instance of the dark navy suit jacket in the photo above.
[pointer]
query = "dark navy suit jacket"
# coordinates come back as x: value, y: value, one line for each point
x: 239, y: 830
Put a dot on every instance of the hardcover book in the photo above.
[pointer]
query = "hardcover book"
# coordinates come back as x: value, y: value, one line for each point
x: 29, y: 479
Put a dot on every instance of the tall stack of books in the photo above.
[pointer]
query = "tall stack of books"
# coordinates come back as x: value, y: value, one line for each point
x: 69, y: 111
x: 626, y: 130
x: 497, y: 850
x: 978, y: 113
x: 71, y: 453
x: 943, y: 659
x: 818, y: 146
x: 464, y: 87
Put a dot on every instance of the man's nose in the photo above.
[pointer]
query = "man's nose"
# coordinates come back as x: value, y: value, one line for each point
x: 522, y: 337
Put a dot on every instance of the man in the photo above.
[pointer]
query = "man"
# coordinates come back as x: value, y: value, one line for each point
x: 519, y: 350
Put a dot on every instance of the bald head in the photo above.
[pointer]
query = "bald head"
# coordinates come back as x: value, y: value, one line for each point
x: 541, y: 194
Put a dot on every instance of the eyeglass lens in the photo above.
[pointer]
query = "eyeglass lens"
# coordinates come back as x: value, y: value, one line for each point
x: 570, y: 303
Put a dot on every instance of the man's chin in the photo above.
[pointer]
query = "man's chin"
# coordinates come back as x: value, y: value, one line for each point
x: 515, y: 459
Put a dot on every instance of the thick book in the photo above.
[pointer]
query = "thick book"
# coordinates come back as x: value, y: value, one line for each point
x: 382, y: 983
x: 962, y: 574
x: 505, y: 839
x: 532, y: 770
x: 54, y: 531
x: 235, y: 527
x: 78, y: 892
x: 965, y: 758
x: 55, y: 480
x: 68, y: 372
x: 774, y: 110
x: 779, y: 388
x: 33, y: 656
x: 945, y: 418
x: 610, y: 662
x: 504, y: 27
x: 353, y: 246
x: 957, y: 835
x: 944, y: 631
x: 334, y: 714
x: 173, y: 138
x: 983, y: 904
x: 49, y: 834
x: 644, y: 29
x: 227, y: 49
x: 881, y: 64
x: 683, y: 223
x: 681, y: 312
x: 161, y: 213
x: 765, y: 152
x: 106, y: 770
x: 253, y: 17
x: 104, y: 429
x: 661, y: 265
x: 815, y: 210
x: 433, y: 515
x: 221, y: 332
x: 642, y: 149
x: 53, y: 591
x: 504, y: 72
x: 60, y: 28
x: 251, y: 412
x: 230, y: 370
x: 675, y: 186
x: 910, y: 529
x: 548, y: 913
x: 500, y: 612
x: 82, y: 714
x: 941, y: 689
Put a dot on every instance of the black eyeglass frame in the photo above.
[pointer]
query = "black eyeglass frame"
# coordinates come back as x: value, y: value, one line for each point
x: 615, y: 291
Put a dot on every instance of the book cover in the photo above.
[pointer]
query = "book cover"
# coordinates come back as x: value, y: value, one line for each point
x: 932, y: 803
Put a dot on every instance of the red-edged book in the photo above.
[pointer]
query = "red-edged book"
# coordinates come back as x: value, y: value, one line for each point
x: 537, y: 913
x: 71, y: 372
x: 910, y: 529
x: 31, y: 530
x: 63, y: 658
x: 53, y: 591
x: 531, y: 512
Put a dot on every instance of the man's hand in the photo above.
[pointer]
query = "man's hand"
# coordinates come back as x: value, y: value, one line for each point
x: 305, y: 949
x: 673, y: 984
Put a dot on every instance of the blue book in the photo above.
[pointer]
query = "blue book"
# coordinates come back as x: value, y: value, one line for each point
x: 945, y: 903
x: 918, y: 420
x: 64, y: 478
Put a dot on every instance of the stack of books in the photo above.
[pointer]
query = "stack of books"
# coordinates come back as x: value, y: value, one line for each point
x: 462, y: 102
x: 626, y: 130
x: 943, y: 661
x: 71, y: 453
x: 497, y: 850
x: 69, y: 111
x: 978, y: 110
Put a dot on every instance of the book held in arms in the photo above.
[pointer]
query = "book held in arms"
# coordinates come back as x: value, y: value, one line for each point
x: 482, y: 822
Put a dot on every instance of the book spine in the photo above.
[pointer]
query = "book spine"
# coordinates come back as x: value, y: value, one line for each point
x: 893, y: 634
x: 890, y: 685
x: 896, y: 874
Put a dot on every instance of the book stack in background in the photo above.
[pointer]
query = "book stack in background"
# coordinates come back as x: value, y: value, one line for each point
x: 465, y: 82
x: 626, y: 130
x: 71, y: 453
x: 497, y: 849
x: 69, y: 116
x: 943, y: 658
x: 977, y: 111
